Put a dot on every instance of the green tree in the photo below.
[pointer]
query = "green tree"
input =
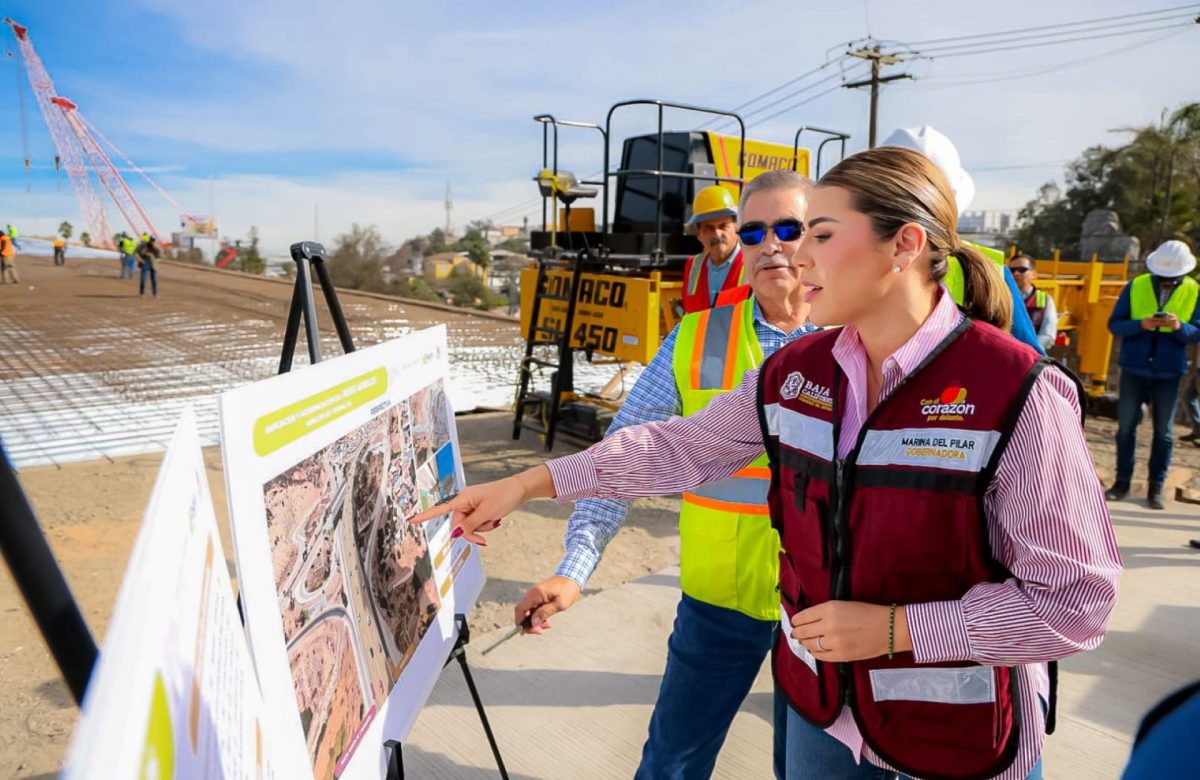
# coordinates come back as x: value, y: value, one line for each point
x: 65, y: 229
x: 416, y: 287
x: 249, y: 259
x: 357, y: 259
x: 85, y: 238
x: 468, y: 290
x: 476, y: 247
x: 437, y: 242
x: 1152, y: 181
x: 514, y: 244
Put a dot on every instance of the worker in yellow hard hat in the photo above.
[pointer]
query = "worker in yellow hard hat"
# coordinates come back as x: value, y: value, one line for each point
x: 717, y: 270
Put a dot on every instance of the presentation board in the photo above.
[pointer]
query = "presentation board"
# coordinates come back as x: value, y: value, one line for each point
x: 174, y: 695
x: 349, y: 608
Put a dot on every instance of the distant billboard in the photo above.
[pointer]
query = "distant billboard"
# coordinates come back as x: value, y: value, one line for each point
x: 198, y: 226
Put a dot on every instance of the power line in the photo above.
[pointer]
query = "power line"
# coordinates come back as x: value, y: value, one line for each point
x: 784, y: 85
x: 1054, y: 36
x: 773, y: 90
x: 791, y: 95
x: 1054, y: 43
x: 804, y: 102
x: 989, y: 78
x: 1057, y: 26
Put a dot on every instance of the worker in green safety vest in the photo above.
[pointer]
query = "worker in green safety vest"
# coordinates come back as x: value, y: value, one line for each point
x: 729, y: 553
x: 128, y: 248
x: 1156, y: 319
x: 941, y: 150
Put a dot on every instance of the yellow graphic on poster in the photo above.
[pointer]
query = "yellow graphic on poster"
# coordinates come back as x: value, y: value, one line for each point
x: 158, y: 755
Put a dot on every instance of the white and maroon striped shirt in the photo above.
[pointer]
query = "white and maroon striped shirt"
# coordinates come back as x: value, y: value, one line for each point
x: 1047, y: 519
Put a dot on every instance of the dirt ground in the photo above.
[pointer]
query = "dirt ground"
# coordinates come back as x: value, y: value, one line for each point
x: 91, y: 513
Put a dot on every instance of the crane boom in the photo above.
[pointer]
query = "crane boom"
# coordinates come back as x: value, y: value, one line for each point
x: 79, y: 150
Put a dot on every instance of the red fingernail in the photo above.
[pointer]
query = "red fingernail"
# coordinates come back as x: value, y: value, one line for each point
x: 457, y: 532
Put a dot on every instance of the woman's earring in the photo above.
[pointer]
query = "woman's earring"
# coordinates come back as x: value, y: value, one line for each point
x: 895, y: 269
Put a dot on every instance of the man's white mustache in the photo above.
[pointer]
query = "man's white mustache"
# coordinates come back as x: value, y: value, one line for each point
x: 774, y: 261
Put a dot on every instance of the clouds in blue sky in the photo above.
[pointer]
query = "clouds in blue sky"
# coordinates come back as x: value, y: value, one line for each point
x: 365, y: 109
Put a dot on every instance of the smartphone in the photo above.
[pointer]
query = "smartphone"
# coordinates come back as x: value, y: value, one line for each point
x: 1160, y: 315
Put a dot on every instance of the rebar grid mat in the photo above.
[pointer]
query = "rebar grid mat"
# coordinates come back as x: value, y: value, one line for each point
x: 89, y: 369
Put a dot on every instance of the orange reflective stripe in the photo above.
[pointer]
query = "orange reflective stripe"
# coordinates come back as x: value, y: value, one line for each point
x: 731, y: 352
x: 698, y: 347
x: 726, y: 506
x: 754, y: 472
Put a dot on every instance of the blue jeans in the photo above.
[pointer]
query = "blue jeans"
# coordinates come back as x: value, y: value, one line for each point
x: 148, y: 270
x: 713, y: 656
x: 814, y: 755
x: 1163, y: 397
x: 126, y: 266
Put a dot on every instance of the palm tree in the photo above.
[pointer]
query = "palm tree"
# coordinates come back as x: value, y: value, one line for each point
x: 65, y: 230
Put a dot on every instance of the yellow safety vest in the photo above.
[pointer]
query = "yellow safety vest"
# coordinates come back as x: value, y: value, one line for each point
x: 954, y: 273
x: 728, y: 550
x: 1143, y: 302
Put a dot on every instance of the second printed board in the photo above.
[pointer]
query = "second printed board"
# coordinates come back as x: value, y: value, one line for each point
x: 349, y: 607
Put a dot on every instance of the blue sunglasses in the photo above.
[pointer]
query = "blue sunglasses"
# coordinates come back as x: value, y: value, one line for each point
x: 754, y: 233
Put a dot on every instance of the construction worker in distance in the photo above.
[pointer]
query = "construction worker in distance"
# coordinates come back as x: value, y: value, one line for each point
x: 8, y: 268
x: 128, y: 248
x: 12, y: 235
x: 148, y: 254
x: 60, y: 251
x: 1039, y: 304
x: 729, y: 612
x: 718, y: 268
x: 1156, y: 319
x: 944, y: 154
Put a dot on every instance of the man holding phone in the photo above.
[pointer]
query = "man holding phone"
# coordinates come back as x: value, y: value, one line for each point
x: 1156, y: 319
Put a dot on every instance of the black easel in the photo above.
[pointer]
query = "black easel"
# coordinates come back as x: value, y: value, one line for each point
x: 42, y: 584
x: 395, y: 768
x: 309, y: 257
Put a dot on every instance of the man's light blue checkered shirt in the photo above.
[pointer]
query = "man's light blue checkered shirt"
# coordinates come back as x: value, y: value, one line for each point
x: 654, y: 397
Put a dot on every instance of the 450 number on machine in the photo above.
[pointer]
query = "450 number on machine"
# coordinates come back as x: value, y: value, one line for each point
x: 615, y: 316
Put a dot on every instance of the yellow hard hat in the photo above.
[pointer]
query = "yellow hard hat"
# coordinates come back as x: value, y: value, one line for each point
x: 711, y: 203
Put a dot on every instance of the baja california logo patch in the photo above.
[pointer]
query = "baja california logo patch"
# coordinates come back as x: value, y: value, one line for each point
x: 791, y: 386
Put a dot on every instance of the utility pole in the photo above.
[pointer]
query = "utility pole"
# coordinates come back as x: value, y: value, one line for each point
x: 449, y: 208
x: 877, y: 58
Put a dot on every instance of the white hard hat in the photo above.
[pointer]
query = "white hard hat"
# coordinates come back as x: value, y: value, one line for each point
x: 1171, y: 259
x: 943, y: 153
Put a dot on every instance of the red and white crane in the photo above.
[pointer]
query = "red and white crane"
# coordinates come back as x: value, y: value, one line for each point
x: 79, y: 151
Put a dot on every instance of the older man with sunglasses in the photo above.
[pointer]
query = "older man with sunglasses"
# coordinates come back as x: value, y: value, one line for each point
x: 729, y: 612
x: 1043, y: 314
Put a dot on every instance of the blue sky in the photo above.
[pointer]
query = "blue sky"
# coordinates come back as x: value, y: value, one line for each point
x: 363, y: 110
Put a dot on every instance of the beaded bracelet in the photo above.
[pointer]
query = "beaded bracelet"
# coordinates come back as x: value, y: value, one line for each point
x: 892, y: 632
